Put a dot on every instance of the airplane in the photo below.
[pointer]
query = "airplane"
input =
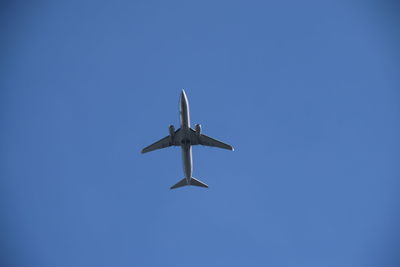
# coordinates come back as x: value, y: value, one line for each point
x: 186, y: 137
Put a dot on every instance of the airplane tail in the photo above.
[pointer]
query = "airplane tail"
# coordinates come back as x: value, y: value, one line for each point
x: 191, y: 181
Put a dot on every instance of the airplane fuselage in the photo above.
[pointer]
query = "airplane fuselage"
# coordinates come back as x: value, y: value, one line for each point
x: 185, y: 136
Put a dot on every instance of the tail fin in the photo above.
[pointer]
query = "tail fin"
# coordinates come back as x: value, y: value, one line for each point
x: 191, y: 181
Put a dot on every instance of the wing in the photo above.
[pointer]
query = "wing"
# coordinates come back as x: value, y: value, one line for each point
x: 208, y: 141
x: 163, y: 143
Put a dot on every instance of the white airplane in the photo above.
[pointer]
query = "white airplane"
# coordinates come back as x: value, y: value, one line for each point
x: 186, y: 137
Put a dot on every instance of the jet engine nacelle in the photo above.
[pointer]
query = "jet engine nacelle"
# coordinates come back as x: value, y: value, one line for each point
x: 172, y: 132
x: 198, y: 129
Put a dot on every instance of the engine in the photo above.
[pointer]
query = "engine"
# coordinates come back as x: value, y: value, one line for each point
x: 172, y: 132
x: 198, y: 129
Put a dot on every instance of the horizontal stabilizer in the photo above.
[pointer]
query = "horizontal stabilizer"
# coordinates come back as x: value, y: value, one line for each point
x: 181, y: 183
x: 191, y: 181
x: 196, y: 182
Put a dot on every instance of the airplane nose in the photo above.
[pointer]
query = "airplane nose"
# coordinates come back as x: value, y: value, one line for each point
x: 183, y: 96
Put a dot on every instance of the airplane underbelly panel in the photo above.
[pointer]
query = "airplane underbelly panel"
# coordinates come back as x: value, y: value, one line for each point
x: 187, y: 160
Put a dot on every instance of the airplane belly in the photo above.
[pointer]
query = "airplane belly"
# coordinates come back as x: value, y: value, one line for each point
x: 184, y: 112
x: 187, y: 160
x: 185, y: 120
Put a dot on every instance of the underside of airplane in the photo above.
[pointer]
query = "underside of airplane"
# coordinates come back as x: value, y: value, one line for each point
x: 186, y: 137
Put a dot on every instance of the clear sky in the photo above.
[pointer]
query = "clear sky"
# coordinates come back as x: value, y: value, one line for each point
x: 306, y: 91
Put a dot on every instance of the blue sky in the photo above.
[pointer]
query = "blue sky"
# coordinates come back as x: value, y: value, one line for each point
x: 306, y: 91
